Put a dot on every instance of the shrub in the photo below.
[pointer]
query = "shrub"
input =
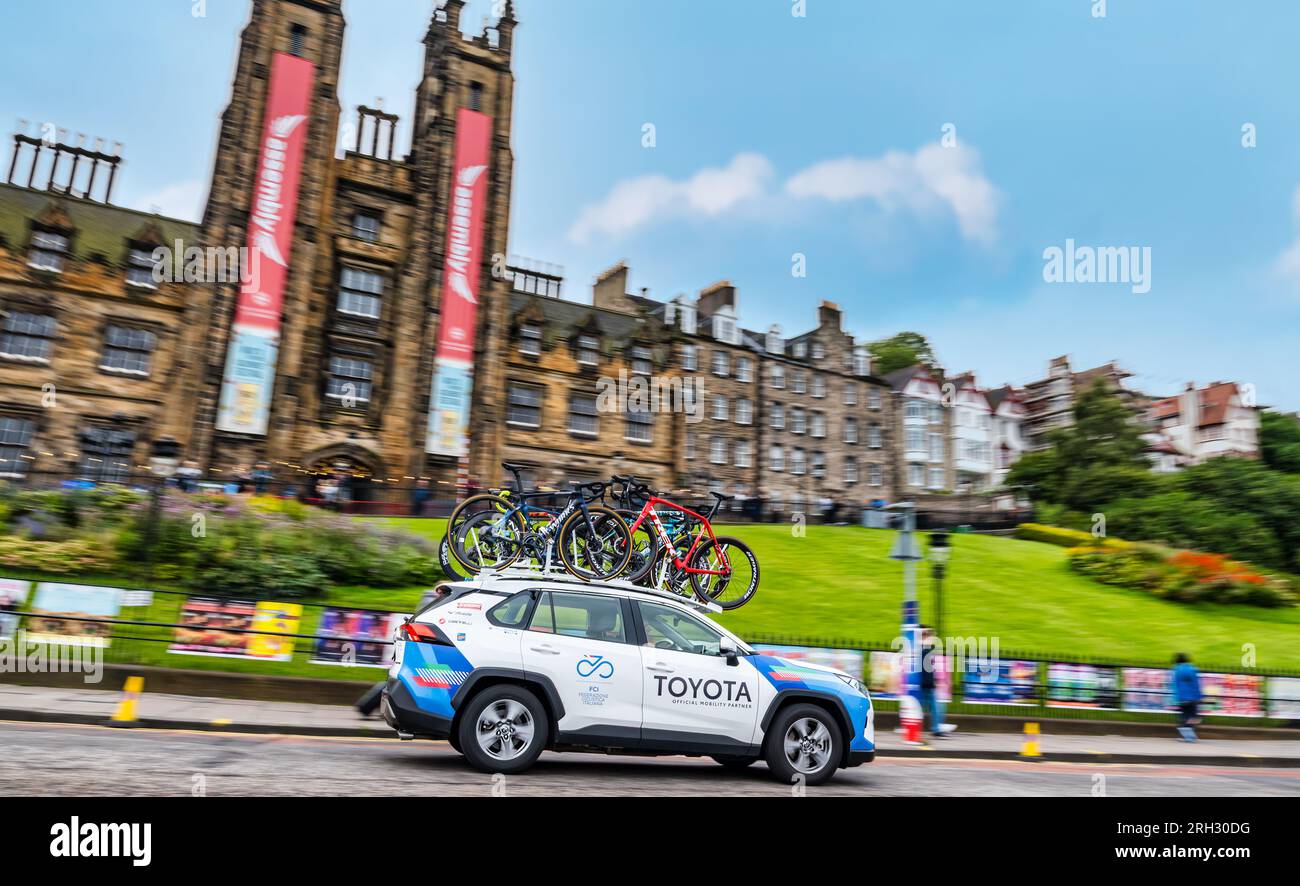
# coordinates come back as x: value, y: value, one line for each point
x: 55, y: 557
x: 1066, y: 538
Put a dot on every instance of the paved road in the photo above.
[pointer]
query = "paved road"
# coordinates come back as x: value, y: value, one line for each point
x: 90, y: 760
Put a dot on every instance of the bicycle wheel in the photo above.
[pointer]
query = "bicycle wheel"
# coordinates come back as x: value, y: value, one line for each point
x: 487, y: 540
x: 486, y: 501
x: 645, y: 547
x: 733, y: 572
x: 596, y: 552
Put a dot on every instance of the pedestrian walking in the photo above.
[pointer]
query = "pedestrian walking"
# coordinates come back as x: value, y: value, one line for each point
x: 1186, y: 681
x: 932, y: 678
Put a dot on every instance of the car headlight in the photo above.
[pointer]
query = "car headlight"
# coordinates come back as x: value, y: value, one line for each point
x: 856, y: 684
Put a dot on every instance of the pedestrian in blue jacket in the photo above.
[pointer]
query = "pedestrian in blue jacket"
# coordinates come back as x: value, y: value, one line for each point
x: 1187, y: 695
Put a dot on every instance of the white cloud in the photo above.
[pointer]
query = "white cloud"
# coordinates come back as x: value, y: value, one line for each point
x: 637, y: 202
x: 183, y: 200
x: 932, y: 179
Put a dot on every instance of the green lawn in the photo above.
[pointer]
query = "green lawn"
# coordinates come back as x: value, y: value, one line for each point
x: 837, y: 582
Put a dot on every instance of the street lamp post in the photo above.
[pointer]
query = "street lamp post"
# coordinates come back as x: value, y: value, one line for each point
x: 939, y: 552
x: 907, y: 550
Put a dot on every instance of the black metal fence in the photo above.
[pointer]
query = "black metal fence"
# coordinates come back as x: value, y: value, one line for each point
x: 1033, y: 684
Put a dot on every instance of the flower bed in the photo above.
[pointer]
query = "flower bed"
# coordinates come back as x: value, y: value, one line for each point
x: 1186, y: 576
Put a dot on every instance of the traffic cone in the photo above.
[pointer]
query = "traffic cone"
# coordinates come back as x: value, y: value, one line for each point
x: 124, y: 716
x: 909, y: 714
x: 1030, y: 749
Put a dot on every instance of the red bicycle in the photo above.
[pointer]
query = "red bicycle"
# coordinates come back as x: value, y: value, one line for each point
x: 669, y: 550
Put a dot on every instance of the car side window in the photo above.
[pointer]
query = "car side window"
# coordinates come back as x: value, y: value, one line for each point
x: 589, y: 616
x: 543, y: 619
x: 511, y: 613
x: 667, y: 628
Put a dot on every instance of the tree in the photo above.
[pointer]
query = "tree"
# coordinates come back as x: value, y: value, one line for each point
x: 900, y: 351
x: 1279, y: 441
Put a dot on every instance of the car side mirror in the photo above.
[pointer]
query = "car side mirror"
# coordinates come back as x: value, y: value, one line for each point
x: 727, y: 647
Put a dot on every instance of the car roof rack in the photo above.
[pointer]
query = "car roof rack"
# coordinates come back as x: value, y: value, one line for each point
x: 617, y: 584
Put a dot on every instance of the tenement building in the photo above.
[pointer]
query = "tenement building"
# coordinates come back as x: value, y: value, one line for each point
x: 354, y: 312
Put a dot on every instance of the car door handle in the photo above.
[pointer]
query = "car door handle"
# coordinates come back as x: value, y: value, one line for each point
x: 545, y: 649
x: 661, y: 667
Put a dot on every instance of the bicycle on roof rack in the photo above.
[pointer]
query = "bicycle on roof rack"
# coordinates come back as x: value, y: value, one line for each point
x: 679, y: 546
x: 493, y: 531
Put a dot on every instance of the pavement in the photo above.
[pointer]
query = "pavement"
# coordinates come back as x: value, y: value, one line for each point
x: 162, y: 711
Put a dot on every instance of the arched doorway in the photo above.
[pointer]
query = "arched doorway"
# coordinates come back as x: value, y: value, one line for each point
x: 346, y: 478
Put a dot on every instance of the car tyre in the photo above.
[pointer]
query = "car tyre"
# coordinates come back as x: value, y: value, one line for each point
x: 504, y: 729
x: 804, y: 741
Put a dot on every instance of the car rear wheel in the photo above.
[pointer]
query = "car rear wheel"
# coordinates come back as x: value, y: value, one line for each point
x: 804, y: 742
x: 503, y: 729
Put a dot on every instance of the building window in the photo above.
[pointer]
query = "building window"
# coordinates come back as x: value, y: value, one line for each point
x: 818, y: 351
x: 819, y: 424
x: 818, y: 386
x: 718, y: 450
x: 583, y: 416
x: 524, y: 405
x: 776, y: 458
x: 720, y: 367
x: 365, y: 226
x: 778, y: 376
x: 48, y: 252
x: 936, y: 447
x: 690, y: 359
x: 873, y: 398
x: 778, y: 416
x: 915, y: 440
x: 861, y: 363
x: 530, y: 339
x: 476, y: 96
x: 719, y: 407
x: 127, y: 350
x: 800, y: 350
x: 640, y: 425
x: 744, y: 370
x: 875, y: 437
x: 743, y: 456
x: 588, y: 350
x: 350, y: 381
x: 914, y: 411
x: 850, y: 471
x: 850, y: 430
x: 297, y: 40
x: 850, y: 394
x: 641, y: 364
x: 15, y: 438
x: 798, y: 461
x: 798, y: 423
x: 689, y: 453
x: 744, y: 412
x: 799, y: 382
x: 936, y: 478
x: 875, y: 475
x: 106, y: 455
x: 28, y: 337
x: 936, y: 414
x: 916, y: 475
x: 140, y: 268
x: 817, y: 464
x: 360, y: 292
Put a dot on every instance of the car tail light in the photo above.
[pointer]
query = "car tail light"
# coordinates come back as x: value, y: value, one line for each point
x: 419, y: 632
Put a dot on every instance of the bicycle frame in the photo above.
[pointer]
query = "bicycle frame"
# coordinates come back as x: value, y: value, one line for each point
x: 679, y: 561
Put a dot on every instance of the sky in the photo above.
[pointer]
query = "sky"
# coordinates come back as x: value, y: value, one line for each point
x: 914, y: 161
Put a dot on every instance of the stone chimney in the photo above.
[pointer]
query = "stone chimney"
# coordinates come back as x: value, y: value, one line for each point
x: 829, y: 315
x: 610, y: 290
x: 716, y: 296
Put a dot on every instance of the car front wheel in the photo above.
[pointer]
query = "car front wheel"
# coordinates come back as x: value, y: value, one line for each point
x: 503, y: 729
x: 804, y: 742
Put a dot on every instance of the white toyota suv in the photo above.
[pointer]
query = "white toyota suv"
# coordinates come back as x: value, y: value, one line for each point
x: 510, y: 664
